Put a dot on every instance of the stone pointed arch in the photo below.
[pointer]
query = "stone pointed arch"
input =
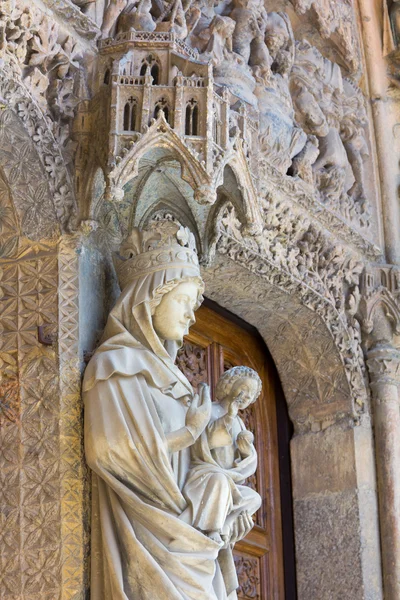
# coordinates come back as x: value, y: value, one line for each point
x: 379, y: 314
x: 302, y: 325
x: 302, y: 332
x: 26, y: 180
x: 236, y: 160
x: 41, y: 143
x: 164, y: 209
x: 159, y: 134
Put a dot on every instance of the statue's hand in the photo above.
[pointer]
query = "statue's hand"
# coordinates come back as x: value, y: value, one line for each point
x: 241, y: 527
x: 234, y: 407
x: 198, y: 415
x: 244, y: 442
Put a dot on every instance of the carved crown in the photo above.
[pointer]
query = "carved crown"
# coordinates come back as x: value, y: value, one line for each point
x: 164, y: 244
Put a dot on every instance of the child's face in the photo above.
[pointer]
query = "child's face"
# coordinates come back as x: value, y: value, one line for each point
x: 244, y: 392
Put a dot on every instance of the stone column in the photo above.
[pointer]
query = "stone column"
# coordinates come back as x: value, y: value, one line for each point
x: 384, y: 368
x: 384, y: 120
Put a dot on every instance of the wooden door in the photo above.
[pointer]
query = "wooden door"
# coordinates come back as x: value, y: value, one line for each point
x: 214, y: 345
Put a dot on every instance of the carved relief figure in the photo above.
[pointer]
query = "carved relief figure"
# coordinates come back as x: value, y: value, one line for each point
x: 173, y: 17
x: 141, y: 418
x: 352, y: 132
x: 317, y: 92
x: 280, y: 138
x: 136, y: 16
x: 198, y: 18
x: 223, y: 457
x: 219, y: 46
x: 245, y: 29
x: 111, y: 14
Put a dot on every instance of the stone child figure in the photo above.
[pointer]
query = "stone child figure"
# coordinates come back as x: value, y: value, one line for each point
x: 222, y: 458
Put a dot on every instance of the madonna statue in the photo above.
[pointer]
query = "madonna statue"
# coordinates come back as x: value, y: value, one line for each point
x: 141, y: 419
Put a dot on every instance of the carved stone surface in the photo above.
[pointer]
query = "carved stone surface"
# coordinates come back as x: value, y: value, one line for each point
x: 248, y: 571
x: 30, y: 457
x: 9, y: 400
x: 224, y: 118
x: 335, y: 21
x: 75, y: 478
x: 192, y: 361
x: 248, y: 89
x: 200, y: 450
x: 27, y: 193
x: 332, y: 268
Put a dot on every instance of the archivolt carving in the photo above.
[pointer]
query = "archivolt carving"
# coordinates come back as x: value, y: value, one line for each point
x: 40, y: 81
x: 25, y: 186
x: 40, y: 155
x: 294, y: 257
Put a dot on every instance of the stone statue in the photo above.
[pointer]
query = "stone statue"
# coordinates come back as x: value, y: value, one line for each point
x: 222, y: 458
x: 141, y: 419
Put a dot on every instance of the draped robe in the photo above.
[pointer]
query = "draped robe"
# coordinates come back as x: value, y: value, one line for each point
x: 142, y: 548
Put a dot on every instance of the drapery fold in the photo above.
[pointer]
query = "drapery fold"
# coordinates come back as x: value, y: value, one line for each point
x: 139, y: 540
x: 142, y: 547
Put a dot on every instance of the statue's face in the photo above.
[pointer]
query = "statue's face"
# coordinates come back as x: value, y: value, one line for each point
x: 245, y: 391
x: 175, y: 313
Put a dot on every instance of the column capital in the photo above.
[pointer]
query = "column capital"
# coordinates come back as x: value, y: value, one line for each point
x: 383, y: 362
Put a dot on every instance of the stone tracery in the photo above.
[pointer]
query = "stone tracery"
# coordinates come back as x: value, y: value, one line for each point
x: 274, y: 114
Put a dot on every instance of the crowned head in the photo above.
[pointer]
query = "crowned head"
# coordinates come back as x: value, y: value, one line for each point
x: 160, y: 246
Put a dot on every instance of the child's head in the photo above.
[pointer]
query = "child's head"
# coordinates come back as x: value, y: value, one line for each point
x: 239, y: 383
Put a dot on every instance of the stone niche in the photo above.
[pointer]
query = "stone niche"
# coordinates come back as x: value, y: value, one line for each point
x: 259, y: 141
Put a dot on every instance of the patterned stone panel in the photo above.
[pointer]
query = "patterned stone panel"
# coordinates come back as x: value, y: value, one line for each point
x: 26, y: 178
x: 74, y: 475
x: 43, y: 484
x: 29, y: 433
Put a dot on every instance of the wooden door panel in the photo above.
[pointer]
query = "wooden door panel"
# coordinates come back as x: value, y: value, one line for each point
x: 214, y: 345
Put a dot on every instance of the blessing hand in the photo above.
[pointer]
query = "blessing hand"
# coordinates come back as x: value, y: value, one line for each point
x: 198, y: 415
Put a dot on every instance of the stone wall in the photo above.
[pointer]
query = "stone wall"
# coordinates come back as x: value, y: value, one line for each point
x: 289, y: 183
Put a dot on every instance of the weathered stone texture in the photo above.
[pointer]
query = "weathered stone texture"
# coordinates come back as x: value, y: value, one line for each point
x: 328, y: 547
x: 335, y: 510
x: 289, y: 184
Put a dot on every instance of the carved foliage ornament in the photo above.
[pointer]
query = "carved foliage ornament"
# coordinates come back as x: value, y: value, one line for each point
x: 36, y: 124
x: 303, y: 261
